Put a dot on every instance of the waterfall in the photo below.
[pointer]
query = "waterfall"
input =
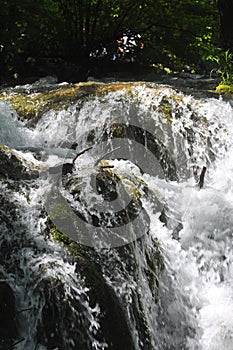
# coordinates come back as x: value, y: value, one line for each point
x: 120, y: 249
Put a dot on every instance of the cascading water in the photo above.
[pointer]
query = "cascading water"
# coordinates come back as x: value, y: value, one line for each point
x: 166, y: 285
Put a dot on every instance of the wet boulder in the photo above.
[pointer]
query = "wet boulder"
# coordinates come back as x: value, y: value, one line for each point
x: 98, y: 268
x: 61, y: 315
x: 104, y: 272
x: 13, y: 167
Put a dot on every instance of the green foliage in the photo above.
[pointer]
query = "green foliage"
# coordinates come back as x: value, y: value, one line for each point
x: 183, y: 32
x: 224, y: 62
x: 174, y: 33
x: 27, y: 29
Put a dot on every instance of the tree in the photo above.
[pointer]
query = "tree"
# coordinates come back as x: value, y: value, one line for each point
x: 27, y: 29
x: 89, y: 23
x: 174, y: 32
x: 225, y: 8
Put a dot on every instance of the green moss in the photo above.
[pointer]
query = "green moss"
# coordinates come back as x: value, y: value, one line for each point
x: 6, y: 149
x: 224, y: 88
x: 33, y: 105
x: 76, y: 250
x: 130, y: 188
x: 165, y: 109
x: 59, y: 236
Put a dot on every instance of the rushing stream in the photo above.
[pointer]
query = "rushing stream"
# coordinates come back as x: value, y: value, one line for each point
x: 156, y: 275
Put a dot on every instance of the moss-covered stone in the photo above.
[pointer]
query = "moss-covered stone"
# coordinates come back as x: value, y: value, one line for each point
x: 33, y: 105
x: 166, y: 109
x: 59, y: 236
x: 105, y: 184
x: 114, y: 325
x: 114, y: 320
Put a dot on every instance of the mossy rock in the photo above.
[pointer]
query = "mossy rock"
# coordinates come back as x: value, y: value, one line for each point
x: 165, y: 109
x: 31, y: 102
x: 64, y: 314
x: 114, y: 324
x: 114, y: 320
x: 114, y: 328
x: 33, y: 105
x: 105, y: 183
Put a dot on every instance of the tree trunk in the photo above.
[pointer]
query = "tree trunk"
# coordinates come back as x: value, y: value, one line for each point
x: 225, y: 8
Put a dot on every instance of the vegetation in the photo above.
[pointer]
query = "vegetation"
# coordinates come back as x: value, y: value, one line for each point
x: 224, y: 66
x: 50, y: 36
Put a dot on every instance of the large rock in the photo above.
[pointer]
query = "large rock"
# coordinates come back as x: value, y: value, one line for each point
x: 64, y: 315
x: 97, y: 268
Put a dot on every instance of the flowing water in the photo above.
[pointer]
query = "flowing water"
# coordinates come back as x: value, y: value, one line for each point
x: 194, y: 295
